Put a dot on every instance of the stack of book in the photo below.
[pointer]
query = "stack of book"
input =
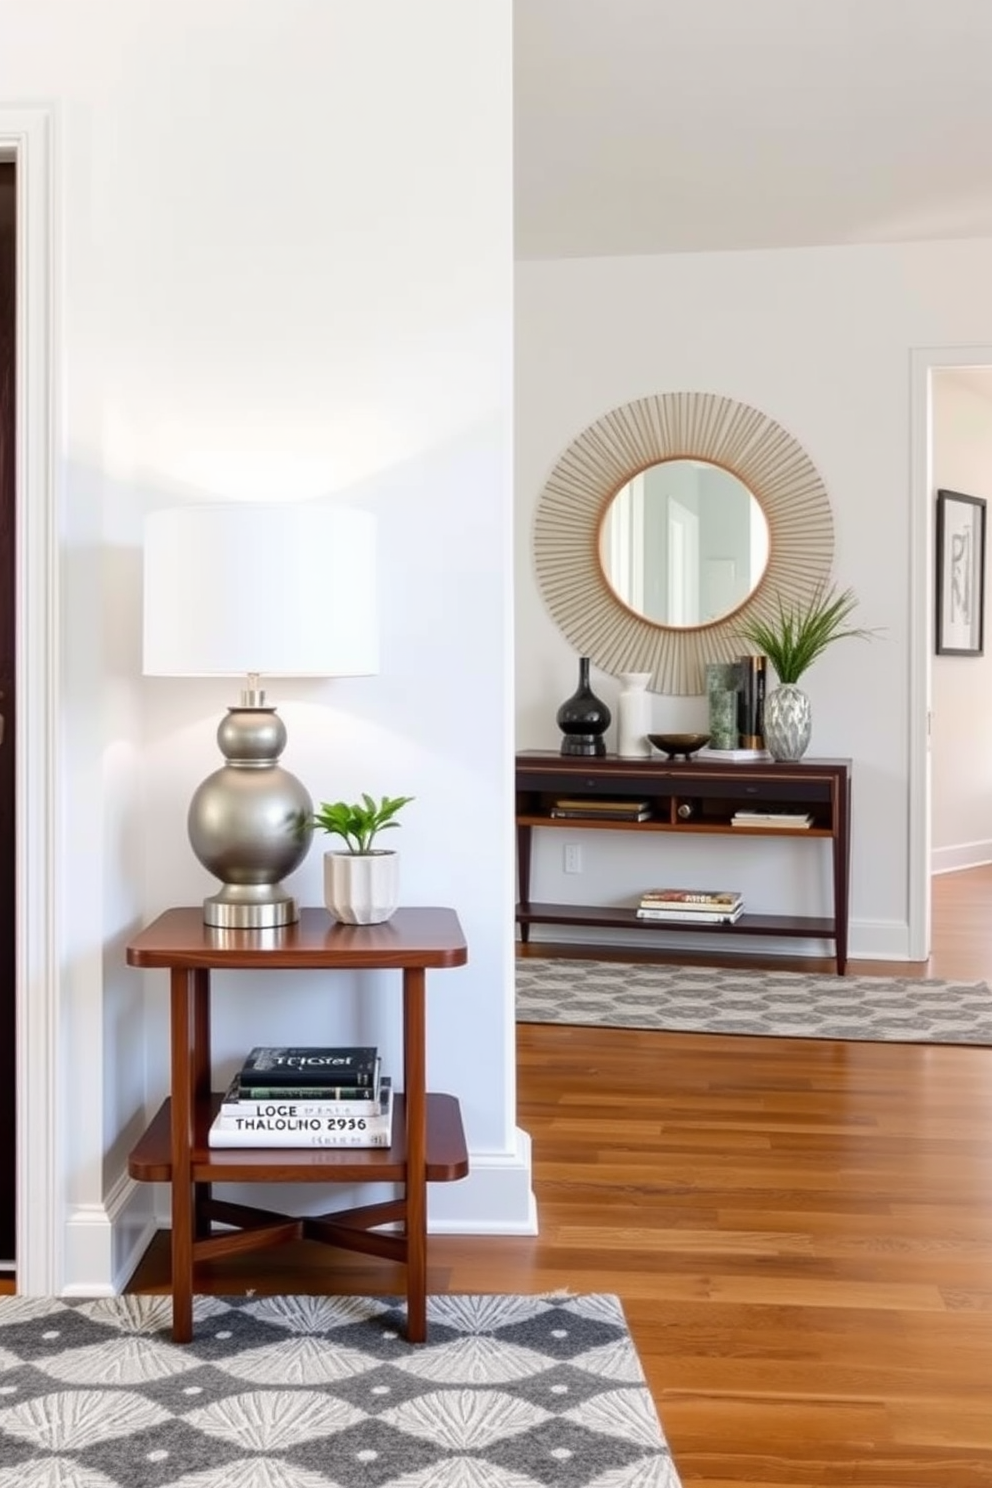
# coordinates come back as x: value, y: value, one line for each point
x: 307, y: 1097
x: 691, y: 906
x: 600, y: 810
x: 794, y: 819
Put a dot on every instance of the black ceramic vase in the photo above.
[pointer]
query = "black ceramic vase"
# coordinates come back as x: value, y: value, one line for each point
x: 583, y: 718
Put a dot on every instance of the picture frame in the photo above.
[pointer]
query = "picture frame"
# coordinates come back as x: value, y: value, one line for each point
x: 960, y: 574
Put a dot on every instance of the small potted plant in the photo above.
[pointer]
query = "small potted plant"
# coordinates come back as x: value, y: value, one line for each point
x: 792, y: 640
x: 361, y: 882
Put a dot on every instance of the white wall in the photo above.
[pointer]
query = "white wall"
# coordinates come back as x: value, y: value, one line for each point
x: 961, y: 731
x: 285, y: 269
x: 820, y: 340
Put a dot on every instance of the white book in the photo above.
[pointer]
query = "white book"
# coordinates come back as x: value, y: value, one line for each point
x: 771, y: 819
x: 745, y: 756
x: 692, y: 917
x: 305, y: 1131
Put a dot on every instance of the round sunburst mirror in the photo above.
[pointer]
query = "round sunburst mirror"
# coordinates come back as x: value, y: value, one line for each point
x: 668, y: 521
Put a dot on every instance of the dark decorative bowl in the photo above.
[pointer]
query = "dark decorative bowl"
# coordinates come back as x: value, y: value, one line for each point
x: 675, y: 744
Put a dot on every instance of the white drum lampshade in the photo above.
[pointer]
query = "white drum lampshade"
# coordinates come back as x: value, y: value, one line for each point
x: 257, y: 590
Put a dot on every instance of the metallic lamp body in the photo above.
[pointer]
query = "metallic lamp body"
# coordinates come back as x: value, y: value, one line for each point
x: 251, y: 824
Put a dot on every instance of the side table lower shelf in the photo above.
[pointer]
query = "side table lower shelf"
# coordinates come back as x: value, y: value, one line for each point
x: 357, y: 1229
x: 150, y: 1160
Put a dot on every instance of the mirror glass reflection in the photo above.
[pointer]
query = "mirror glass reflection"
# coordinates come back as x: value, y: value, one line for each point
x: 684, y: 543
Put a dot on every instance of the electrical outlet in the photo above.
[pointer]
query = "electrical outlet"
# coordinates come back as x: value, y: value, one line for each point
x: 573, y: 857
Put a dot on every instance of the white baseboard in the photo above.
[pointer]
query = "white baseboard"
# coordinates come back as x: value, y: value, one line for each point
x: 868, y: 940
x: 104, y: 1242
x: 963, y: 855
x: 495, y: 1199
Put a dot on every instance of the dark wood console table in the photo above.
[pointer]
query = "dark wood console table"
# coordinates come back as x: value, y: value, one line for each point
x: 428, y: 1141
x: 713, y: 791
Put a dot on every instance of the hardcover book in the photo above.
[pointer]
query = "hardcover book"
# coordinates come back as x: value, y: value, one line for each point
x: 689, y: 916
x: 785, y: 819
x: 609, y: 810
x: 581, y: 814
x: 315, y: 1101
x: 691, y: 898
x: 305, y: 1131
x: 310, y: 1065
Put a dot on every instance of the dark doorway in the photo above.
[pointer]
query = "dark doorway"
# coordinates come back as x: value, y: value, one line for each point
x: 8, y: 950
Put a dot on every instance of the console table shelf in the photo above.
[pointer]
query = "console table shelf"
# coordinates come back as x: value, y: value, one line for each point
x: 711, y: 791
x: 618, y: 917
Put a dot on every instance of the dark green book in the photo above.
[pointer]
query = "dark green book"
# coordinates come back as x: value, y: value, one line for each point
x: 309, y: 1092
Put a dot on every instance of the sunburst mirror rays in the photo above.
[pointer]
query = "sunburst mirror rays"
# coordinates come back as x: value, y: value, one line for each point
x: 669, y: 427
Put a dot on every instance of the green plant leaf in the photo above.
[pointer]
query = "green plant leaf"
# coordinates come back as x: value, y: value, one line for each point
x: 358, y: 823
x: 798, y: 634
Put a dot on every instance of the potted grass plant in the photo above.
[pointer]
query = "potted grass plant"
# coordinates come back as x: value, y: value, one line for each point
x: 361, y: 881
x: 792, y: 638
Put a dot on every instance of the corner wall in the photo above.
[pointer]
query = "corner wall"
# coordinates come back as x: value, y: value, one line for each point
x: 286, y: 270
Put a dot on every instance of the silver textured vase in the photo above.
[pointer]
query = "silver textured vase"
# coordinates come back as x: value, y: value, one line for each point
x: 788, y: 722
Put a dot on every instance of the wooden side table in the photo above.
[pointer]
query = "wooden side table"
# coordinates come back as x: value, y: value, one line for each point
x: 428, y: 1139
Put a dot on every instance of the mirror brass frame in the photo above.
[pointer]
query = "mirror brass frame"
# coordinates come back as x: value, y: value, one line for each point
x: 675, y: 426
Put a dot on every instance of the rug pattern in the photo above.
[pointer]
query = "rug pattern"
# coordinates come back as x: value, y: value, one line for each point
x: 324, y: 1392
x: 777, y: 1004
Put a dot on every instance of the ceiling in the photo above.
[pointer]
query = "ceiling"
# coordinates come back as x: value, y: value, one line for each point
x: 678, y: 126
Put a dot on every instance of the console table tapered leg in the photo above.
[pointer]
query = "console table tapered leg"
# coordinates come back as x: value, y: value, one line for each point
x: 184, y: 1001
x: 415, y: 1082
x: 842, y: 872
x: 523, y: 872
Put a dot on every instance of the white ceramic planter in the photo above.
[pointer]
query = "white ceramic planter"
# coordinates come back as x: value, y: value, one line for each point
x: 361, y: 888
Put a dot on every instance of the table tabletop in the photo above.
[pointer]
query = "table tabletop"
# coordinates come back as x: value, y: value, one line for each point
x: 412, y: 937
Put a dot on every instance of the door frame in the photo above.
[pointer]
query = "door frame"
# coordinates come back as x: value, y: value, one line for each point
x: 924, y: 361
x: 27, y: 138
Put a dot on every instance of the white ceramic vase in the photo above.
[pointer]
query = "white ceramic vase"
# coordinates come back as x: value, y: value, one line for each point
x: 361, y: 888
x: 788, y: 722
x: 634, y: 716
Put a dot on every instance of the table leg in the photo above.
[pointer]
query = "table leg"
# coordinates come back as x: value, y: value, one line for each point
x: 184, y: 1001
x: 202, y: 1192
x: 842, y: 871
x: 414, y: 1084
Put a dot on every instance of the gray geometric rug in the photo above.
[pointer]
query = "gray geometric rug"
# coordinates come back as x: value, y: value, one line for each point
x: 779, y: 1004
x: 324, y: 1392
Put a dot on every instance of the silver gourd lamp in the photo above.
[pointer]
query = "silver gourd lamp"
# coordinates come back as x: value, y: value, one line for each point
x: 257, y: 590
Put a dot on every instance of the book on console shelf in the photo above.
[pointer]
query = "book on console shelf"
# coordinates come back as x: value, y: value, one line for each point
x: 722, y: 899
x: 315, y: 1100
x: 602, y: 810
x: 689, y: 916
x: 321, y: 1130
x: 735, y: 756
x: 315, y: 1065
x: 797, y: 820
x: 581, y: 815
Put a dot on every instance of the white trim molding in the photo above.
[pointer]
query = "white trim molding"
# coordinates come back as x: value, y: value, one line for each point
x: 924, y: 361
x: 26, y: 136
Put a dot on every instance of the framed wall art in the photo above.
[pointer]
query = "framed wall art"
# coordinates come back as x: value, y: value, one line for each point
x: 960, y: 574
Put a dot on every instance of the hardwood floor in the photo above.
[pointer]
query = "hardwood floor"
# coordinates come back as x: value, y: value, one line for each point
x: 800, y: 1232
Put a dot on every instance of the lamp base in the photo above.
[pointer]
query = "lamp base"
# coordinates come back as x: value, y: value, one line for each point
x: 251, y: 823
x: 250, y: 907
